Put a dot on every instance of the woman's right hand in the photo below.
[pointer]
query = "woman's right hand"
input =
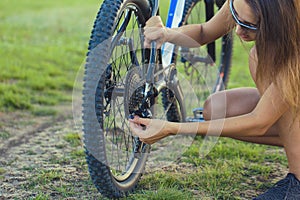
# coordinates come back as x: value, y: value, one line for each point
x: 155, y: 31
x: 149, y: 130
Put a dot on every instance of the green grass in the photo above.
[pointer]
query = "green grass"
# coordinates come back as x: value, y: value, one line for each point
x: 222, y: 174
x: 240, y: 75
x: 2, y: 171
x: 4, y: 134
x: 41, y: 196
x: 44, y: 178
x: 73, y: 139
x: 43, y: 44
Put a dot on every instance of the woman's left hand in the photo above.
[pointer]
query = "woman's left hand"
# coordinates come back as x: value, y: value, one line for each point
x: 149, y: 130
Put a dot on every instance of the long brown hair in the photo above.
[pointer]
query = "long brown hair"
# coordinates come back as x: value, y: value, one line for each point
x: 278, y: 46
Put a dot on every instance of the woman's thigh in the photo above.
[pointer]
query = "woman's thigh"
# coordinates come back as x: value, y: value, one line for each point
x: 230, y: 103
x: 234, y: 102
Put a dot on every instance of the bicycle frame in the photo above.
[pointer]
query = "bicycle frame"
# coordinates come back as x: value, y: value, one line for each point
x: 174, y: 19
x: 149, y: 87
x: 175, y: 14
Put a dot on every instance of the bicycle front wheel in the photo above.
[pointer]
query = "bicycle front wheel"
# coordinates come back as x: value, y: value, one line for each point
x: 115, y: 51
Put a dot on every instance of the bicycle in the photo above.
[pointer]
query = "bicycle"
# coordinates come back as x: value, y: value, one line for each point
x: 123, y: 78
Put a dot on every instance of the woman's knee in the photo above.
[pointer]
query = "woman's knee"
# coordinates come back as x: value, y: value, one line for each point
x: 207, y: 109
x: 214, y: 107
x: 230, y: 103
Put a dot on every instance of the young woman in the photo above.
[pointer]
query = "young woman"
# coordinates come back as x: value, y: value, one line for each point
x: 268, y: 114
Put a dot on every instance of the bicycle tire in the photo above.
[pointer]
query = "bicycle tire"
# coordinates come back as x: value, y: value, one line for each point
x: 105, y: 125
x: 173, y: 112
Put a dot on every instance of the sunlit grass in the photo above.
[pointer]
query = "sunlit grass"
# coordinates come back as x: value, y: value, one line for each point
x: 41, y: 48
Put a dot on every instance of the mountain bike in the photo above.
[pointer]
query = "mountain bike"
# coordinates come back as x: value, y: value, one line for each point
x: 122, y: 78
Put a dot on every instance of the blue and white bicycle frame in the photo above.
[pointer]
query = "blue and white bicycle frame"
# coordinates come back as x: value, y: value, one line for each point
x: 173, y: 20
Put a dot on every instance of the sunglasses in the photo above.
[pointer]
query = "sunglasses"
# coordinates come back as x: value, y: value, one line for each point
x: 236, y: 19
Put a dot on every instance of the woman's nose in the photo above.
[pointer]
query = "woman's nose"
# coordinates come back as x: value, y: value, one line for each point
x: 239, y: 30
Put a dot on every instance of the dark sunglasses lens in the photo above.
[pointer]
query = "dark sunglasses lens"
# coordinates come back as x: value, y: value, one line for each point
x: 243, y: 25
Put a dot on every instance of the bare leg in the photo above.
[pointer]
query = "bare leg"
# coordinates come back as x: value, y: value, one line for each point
x: 232, y: 102
x: 289, y: 127
x: 289, y: 187
x: 236, y: 102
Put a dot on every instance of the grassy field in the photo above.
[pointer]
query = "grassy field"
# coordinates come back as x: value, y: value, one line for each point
x: 43, y: 44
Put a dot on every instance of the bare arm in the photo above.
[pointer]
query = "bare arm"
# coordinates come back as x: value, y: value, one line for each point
x: 269, y: 109
x: 192, y: 35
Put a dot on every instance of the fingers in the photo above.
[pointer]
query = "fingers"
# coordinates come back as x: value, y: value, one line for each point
x: 148, y: 130
x: 154, y: 22
x: 138, y: 127
x: 154, y: 31
x: 140, y: 121
x: 154, y: 34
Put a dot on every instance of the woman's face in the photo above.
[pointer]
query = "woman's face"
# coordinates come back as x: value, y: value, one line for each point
x: 245, y: 15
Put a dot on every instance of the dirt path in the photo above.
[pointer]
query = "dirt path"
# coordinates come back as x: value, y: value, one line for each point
x: 37, y: 161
